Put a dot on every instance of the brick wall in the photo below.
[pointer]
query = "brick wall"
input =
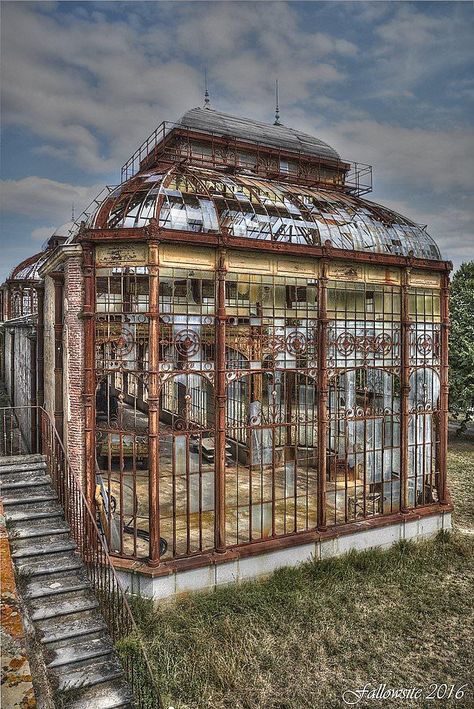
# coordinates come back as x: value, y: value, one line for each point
x: 48, y: 345
x: 73, y: 353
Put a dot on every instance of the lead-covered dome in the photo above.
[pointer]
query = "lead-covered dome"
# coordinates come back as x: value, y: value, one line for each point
x: 247, y: 130
x: 192, y: 199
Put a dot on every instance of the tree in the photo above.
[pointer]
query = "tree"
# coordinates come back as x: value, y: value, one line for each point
x: 461, y: 345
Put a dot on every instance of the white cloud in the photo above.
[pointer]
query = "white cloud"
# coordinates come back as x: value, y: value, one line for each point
x: 442, y: 160
x: 40, y: 197
x: 414, y: 45
x: 91, y: 86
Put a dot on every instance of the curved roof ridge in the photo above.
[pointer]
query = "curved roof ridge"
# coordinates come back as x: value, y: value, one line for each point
x: 27, y: 269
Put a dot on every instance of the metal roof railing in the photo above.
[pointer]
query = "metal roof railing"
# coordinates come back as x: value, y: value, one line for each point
x: 356, y: 177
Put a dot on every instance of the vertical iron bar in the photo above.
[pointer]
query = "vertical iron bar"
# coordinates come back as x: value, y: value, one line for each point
x: 405, y: 391
x: 89, y: 371
x: 220, y: 405
x: 153, y: 403
x: 323, y: 396
x: 444, y: 393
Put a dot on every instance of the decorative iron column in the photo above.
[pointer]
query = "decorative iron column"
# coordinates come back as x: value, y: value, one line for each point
x: 444, y: 393
x: 404, y: 391
x: 153, y: 402
x: 220, y: 405
x: 322, y: 396
x: 89, y: 371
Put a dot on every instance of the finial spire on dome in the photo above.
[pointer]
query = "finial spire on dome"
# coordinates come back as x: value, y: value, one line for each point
x: 73, y: 213
x: 207, y: 100
x: 277, y: 107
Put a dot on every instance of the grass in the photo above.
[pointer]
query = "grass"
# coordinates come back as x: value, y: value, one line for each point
x: 404, y: 617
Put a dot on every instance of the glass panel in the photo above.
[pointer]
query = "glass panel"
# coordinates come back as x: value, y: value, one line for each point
x: 363, y: 445
x: 121, y: 335
x: 271, y: 415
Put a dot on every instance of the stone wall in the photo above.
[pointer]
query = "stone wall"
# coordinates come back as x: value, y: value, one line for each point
x: 20, y: 372
x: 222, y: 572
x: 23, y: 364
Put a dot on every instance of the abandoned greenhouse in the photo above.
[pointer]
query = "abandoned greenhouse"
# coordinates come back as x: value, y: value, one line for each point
x: 245, y: 358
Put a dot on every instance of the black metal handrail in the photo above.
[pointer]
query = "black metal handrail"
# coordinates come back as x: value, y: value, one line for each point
x: 16, y: 438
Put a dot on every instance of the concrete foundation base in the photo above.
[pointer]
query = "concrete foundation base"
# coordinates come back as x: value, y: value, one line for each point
x: 258, y: 565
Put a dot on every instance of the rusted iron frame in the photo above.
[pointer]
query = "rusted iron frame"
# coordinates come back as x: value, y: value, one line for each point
x: 225, y: 141
x: 153, y: 403
x: 444, y: 392
x: 405, y: 326
x: 89, y: 370
x: 234, y: 242
x: 322, y: 395
x: 162, y: 153
x: 128, y: 230
x: 27, y: 262
x: 220, y: 408
x: 279, y: 430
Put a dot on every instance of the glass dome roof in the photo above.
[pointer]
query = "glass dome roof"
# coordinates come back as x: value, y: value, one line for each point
x: 28, y: 269
x: 188, y: 198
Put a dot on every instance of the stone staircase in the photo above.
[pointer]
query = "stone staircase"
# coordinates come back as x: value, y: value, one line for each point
x: 82, y: 666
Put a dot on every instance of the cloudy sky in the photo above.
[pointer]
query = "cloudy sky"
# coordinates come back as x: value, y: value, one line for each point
x: 84, y: 83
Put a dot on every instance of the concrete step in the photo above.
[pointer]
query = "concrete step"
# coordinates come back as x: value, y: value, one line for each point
x: 87, y: 673
x: 39, y: 546
x: 46, y: 607
x: 12, y: 460
x: 107, y: 695
x: 78, y: 650
x: 70, y: 626
x: 34, y: 510
x: 82, y: 662
x: 40, y: 565
x: 27, y: 478
x: 53, y: 584
x: 6, y: 471
x: 37, y: 528
x: 42, y: 493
